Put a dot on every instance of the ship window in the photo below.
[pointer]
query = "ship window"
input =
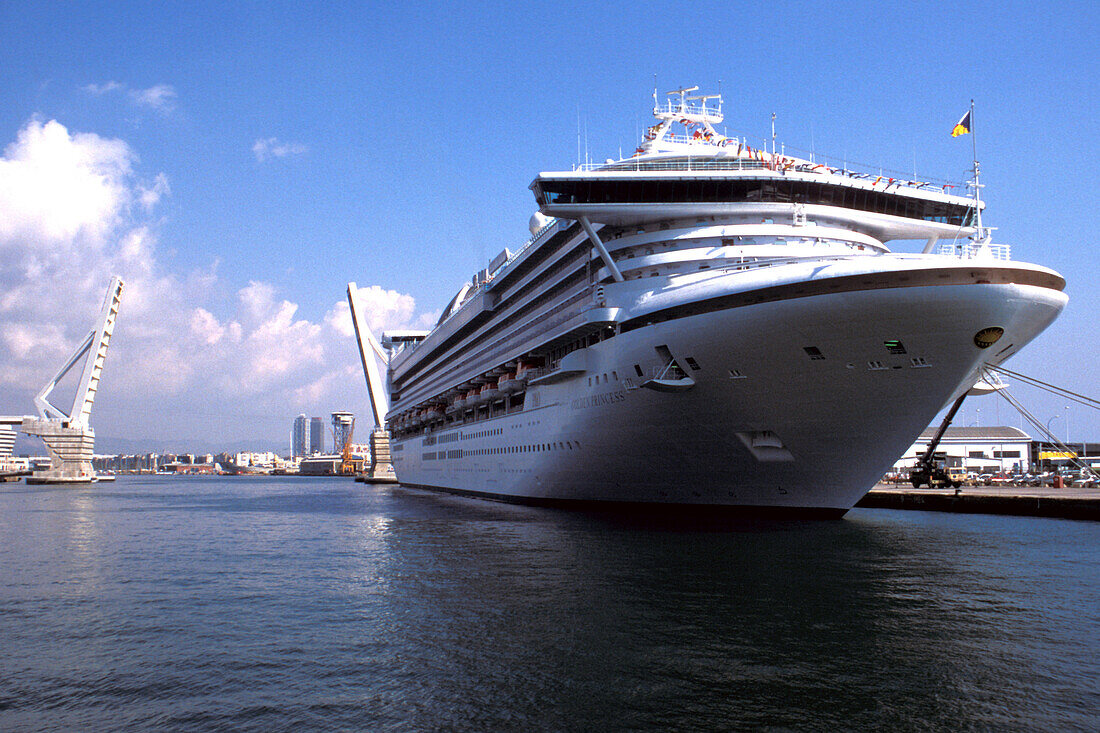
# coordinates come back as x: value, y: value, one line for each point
x: 894, y: 346
x: 638, y: 369
x: 813, y: 352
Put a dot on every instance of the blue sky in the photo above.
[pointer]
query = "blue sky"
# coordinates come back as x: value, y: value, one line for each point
x: 271, y: 152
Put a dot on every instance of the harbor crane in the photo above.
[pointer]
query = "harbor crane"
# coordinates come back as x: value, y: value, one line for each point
x: 347, y: 463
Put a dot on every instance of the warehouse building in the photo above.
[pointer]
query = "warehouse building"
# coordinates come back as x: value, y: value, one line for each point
x: 996, y: 449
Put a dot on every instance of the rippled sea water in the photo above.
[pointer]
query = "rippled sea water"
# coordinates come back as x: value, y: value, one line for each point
x: 296, y: 604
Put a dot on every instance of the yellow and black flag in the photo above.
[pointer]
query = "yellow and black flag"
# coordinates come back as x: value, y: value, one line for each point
x: 963, y: 127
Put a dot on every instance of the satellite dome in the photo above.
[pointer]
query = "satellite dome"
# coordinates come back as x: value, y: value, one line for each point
x: 538, y: 221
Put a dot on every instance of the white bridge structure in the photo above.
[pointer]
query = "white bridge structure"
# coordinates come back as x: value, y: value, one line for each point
x: 68, y: 435
x: 370, y: 351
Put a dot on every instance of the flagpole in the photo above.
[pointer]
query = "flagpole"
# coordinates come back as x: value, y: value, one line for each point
x: 980, y: 233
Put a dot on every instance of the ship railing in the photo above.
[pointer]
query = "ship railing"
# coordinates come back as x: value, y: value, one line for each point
x: 534, y: 238
x: 713, y: 114
x: 974, y: 250
x: 703, y: 163
x: 712, y: 163
x: 497, y: 272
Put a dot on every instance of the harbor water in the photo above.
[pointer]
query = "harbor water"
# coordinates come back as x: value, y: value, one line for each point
x: 284, y: 603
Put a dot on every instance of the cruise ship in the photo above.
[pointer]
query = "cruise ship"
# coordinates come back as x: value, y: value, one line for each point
x: 709, y: 325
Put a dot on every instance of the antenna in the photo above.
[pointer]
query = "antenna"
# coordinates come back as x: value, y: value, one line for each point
x: 578, y: 134
x: 773, y: 133
x: 586, y: 140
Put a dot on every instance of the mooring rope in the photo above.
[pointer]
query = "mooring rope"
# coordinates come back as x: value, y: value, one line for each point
x: 1054, y: 389
x: 1035, y: 422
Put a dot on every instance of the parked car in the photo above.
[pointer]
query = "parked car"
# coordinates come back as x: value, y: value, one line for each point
x: 1083, y: 479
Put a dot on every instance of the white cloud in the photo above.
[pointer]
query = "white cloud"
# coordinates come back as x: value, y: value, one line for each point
x: 266, y: 148
x: 74, y: 211
x: 381, y: 309
x: 206, y: 327
x: 150, y: 196
x: 100, y: 89
x: 56, y: 187
x: 160, y: 98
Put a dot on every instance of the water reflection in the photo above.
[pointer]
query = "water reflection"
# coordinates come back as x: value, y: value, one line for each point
x: 280, y: 603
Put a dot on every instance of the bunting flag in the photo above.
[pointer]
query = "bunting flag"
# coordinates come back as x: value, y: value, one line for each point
x: 963, y: 127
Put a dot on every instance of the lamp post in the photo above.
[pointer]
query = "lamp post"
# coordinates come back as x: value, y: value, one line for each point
x: 1051, y: 419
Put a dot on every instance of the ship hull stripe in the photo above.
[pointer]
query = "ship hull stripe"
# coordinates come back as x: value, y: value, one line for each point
x: 854, y: 283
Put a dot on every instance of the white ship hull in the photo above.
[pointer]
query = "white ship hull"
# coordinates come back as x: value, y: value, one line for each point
x: 764, y: 426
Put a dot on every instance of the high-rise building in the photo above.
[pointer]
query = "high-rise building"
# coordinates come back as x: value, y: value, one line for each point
x: 342, y: 423
x: 7, y: 441
x: 316, y: 435
x: 299, y: 437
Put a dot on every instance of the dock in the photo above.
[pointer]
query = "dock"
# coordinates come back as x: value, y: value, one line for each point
x: 1023, y: 501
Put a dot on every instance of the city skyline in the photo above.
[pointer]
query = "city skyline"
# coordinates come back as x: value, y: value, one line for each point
x: 238, y: 165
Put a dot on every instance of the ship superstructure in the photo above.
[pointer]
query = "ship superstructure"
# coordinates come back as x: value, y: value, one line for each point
x: 706, y: 323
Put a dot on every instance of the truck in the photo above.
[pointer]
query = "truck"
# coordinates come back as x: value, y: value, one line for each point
x: 934, y: 471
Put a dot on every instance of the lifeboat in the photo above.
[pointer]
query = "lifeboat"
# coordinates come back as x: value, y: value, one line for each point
x: 489, y: 393
x: 473, y: 398
x: 435, y: 412
x: 508, y: 384
x: 523, y: 372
